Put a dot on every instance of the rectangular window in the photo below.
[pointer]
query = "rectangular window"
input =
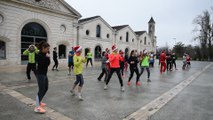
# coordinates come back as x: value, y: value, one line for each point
x: 2, y: 50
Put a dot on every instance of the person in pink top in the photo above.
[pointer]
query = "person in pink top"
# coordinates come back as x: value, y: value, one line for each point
x: 114, y: 61
x: 162, y: 62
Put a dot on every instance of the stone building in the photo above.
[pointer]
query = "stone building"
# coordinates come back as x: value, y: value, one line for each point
x: 25, y: 22
x: 97, y: 34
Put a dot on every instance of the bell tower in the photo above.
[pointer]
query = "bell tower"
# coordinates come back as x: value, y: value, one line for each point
x: 151, y: 33
x: 151, y: 28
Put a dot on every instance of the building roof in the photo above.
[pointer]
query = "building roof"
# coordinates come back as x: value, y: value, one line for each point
x: 119, y: 27
x: 140, y: 32
x: 87, y: 19
x: 151, y: 20
x: 71, y: 9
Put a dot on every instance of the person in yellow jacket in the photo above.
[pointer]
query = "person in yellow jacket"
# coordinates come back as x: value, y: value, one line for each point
x: 31, y: 53
x: 89, y: 58
x: 145, y: 64
x: 78, y: 70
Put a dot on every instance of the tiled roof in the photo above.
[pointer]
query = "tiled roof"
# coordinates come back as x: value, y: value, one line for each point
x: 140, y: 32
x: 119, y: 27
x: 87, y: 19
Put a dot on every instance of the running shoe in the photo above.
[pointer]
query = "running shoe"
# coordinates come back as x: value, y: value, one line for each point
x: 148, y: 80
x: 43, y: 104
x: 128, y: 83
x: 72, y: 92
x: 80, y: 97
x: 39, y: 110
x: 122, y: 89
x: 138, y: 83
x: 105, y: 87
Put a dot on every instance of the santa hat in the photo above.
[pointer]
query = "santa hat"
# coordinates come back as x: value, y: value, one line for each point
x: 107, y: 49
x: 77, y: 48
x: 121, y: 52
x: 114, y: 48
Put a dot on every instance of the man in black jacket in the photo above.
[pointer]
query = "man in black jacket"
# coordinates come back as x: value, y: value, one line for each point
x: 55, y: 59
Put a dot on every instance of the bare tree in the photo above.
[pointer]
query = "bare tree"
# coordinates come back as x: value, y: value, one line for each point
x: 204, y: 28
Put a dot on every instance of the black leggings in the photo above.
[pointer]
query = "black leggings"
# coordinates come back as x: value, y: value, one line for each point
x: 169, y: 65
x: 42, y: 86
x: 89, y: 60
x: 104, y: 71
x: 118, y: 72
x: 147, y: 69
x: 173, y: 62
x: 132, y: 70
x: 30, y: 66
x: 56, y: 63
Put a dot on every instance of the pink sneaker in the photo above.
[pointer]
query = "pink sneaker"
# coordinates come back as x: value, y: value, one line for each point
x: 43, y: 104
x: 39, y: 110
x: 128, y: 83
x: 138, y: 83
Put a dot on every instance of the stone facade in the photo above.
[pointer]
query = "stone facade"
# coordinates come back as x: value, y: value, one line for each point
x: 63, y: 28
x: 58, y: 24
x: 113, y: 35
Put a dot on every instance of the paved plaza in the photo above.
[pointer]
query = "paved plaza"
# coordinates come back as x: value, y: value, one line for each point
x: 177, y: 95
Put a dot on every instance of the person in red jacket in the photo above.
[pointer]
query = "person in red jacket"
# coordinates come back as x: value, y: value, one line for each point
x: 162, y: 62
x: 114, y: 60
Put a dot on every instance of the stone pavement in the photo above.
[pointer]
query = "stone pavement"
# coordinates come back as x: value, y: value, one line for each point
x: 18, y: 95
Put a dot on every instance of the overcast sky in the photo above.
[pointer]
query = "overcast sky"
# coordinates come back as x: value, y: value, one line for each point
x: 174, y: 18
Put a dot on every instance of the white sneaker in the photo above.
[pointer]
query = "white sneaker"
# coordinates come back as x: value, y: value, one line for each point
x: 80, y: 97
x: 105, y: 87
x: 122, y: 89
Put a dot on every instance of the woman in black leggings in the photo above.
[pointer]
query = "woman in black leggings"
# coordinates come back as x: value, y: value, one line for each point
x: 133, y: 62
x: 43, y: 60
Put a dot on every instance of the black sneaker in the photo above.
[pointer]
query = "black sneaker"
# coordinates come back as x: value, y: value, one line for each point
x: 98, y: 79
x: 148, y: 80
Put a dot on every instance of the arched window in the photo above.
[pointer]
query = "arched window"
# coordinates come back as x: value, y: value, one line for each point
x: 87, y: 32
x: 126, y: 51
x: 133, y: 40
x: 107, y: 35
x: 98, y: 31
x: 62, y: 51
x: 86, y: 50
x: 98, y: 52
x: 2, y: 50
x: 144, y: 40
x: 127, y: 37
x: 32, y: 33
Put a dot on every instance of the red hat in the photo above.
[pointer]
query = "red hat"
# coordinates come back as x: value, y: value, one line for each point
x: 77, y: 48
x: 114, y: 48
x: 121, y: 52
x: 107, y: 49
